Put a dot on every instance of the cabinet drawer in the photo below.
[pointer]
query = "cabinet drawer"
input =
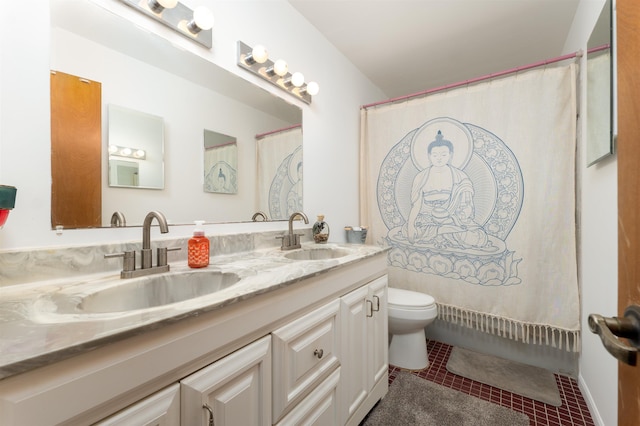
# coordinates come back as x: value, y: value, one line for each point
x: 320, y: 408
x: 305, y: 352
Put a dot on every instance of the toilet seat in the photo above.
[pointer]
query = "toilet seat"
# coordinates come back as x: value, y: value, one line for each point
x: 409, y: 300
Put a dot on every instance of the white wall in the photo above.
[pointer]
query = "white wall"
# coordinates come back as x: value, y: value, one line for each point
x: 331, y: 122
x: 598, y: 251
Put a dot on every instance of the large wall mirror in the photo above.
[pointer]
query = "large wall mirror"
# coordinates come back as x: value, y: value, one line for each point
x: 600, y: 77
x: 140, y: 71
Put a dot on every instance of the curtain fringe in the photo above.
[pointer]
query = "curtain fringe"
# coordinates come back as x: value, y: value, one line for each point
x: 537, y: 334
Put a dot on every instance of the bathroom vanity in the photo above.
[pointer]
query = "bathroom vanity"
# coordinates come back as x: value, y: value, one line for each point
x: 300, y: 337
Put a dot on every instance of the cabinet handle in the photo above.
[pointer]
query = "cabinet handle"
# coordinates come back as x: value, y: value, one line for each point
x: 369, y: 308
x: 210, y: 410
x: 377, y: 299
x: 318, y: 353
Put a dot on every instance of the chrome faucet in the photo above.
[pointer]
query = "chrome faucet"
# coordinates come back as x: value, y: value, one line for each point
x: 260, y: 214
x: 118, y: 220
x: 146, y: 268
x: 292, y: 241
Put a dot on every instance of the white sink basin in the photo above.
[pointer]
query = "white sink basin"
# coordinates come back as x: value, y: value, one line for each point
x: 148, y: 292
x: 317, y: 253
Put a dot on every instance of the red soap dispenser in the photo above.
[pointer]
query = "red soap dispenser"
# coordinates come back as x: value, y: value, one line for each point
x: 198, y: 254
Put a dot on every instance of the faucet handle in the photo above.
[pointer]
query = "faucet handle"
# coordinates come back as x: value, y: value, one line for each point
x: 162, y: 254
x: 129, y: 263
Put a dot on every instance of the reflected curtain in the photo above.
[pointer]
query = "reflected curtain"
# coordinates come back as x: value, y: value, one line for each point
x: 280, y: 173
x: 221, y: 169
x: 473, y: 190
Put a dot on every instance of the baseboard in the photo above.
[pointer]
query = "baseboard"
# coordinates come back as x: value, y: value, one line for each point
x: 593, y: 409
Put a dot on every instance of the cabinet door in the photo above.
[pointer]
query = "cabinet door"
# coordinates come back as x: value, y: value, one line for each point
x: 305, y: 352
x: 378, y: 332
x: 355, y: 377
x: 319, y: 408
x: 160, y: 409
x: 235, y: 390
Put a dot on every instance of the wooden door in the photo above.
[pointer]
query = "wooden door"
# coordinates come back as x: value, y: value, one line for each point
x: 76, y: 146
x: 628, y: 145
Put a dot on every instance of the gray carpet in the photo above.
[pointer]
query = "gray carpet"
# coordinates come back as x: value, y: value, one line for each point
x: 526, y: 380
x: 413, y: 401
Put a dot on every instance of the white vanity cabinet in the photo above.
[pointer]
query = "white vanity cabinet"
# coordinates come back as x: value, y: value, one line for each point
x: 365, y: 349
x: 235, y: 390
x: 313, y: 352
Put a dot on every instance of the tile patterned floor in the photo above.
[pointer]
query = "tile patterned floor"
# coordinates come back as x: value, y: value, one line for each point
x: 572, y: 412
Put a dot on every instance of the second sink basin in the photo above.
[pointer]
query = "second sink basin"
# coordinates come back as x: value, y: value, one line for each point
x: 317, y: 253
x: 155, y: 290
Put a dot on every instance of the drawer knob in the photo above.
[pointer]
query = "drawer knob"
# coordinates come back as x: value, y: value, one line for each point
x: 318, y: 353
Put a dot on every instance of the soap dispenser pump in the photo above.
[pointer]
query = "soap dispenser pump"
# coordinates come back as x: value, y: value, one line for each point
x: 198, y: 251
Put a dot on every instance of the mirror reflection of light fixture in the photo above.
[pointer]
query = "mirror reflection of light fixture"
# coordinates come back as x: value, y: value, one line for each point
x: 193, y: 24
x: 256, y: 60
x: 123, y: 151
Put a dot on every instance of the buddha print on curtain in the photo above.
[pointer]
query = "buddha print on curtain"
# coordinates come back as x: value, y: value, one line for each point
x: 474, y: 192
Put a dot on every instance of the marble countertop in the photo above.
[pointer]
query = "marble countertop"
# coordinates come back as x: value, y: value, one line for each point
x: 38, y: 328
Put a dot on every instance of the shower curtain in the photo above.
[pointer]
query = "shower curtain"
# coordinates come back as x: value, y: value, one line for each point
x: 280, y: 172
x: 473, y: 190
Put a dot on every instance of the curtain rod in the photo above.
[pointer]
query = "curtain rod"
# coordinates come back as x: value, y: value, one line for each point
x: 486, y: 77
x: 262, y: 135
x: 220, y: 145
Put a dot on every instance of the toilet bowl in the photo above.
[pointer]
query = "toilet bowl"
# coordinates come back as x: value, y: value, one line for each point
x: 409, y: 313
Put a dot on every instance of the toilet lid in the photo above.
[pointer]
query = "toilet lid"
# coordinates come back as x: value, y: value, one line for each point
x: 409, y: 299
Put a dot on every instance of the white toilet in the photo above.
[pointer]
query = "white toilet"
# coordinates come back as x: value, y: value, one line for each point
x: 409, y: 313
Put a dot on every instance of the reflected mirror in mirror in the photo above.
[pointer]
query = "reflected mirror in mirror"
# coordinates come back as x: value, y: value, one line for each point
x: 136, y: 149
x: 220, y: 163
x: 143, y: 71
x: 600, y: 114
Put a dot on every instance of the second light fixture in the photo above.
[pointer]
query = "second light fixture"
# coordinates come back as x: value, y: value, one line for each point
x: 256, y: 60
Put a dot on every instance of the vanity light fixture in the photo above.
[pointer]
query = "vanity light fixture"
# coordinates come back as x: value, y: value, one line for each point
x: 158, y: 6
x: 202, y: 20
x: 279, y: 67
x: 193, y: 24
x: 256, y: 60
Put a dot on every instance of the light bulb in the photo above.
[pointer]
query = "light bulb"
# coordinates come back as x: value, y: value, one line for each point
x: 202, y: 20
x: 126, y: 151
x: 139, y: 153
x: 297, y: 79
x: 159, y: 5
x: 313, y: 88
x: 113, y: 149
x: 259, y: 54
x: 280, y: 67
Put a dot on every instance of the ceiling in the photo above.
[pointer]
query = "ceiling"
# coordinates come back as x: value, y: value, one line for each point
x: 407, y: 46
